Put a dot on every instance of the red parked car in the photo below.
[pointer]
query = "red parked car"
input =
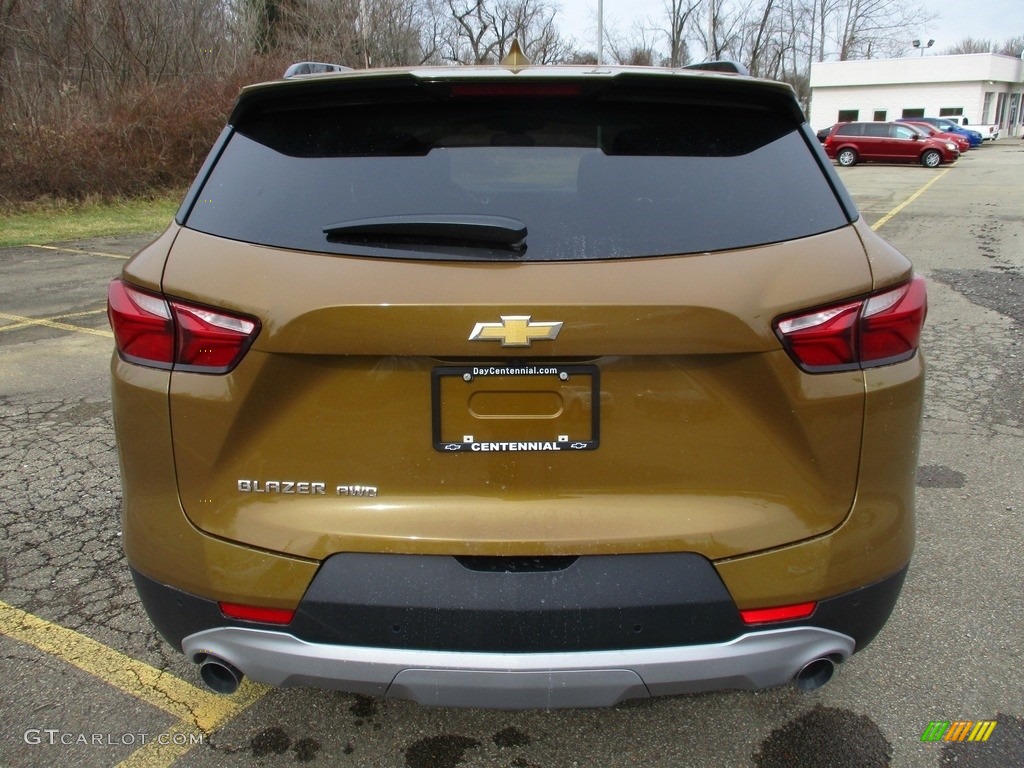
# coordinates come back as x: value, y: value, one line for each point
x: 851, y: 143
x: 961, y: 141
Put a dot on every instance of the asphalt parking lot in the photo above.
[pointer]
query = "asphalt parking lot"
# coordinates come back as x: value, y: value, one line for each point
x: 85, y: 681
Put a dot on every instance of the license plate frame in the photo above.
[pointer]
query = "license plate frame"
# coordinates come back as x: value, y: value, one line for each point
x: 578, y: 384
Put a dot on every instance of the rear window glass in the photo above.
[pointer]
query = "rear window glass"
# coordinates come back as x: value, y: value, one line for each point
x: 589, y: 179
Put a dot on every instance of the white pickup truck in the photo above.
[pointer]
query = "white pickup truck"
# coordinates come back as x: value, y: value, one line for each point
x: 988, y: 132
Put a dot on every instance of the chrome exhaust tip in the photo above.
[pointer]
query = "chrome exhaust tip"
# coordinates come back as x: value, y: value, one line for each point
x: 220, y: 676
x: 814, y: 674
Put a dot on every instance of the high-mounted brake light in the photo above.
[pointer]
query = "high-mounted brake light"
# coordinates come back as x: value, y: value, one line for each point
x: 157, y: 332
x: 882, y: 329
x: 516, y: 89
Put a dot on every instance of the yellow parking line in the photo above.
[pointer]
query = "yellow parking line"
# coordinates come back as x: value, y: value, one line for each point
x: 181, y: 737
x: 24, y: 322
x: 86, y: 313
x: 76, y: 250
x: 166, y: 748
x: 194, y: 706
x: 882, y: 221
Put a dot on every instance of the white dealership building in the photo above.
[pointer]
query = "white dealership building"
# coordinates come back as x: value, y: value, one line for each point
x: 984, y: 88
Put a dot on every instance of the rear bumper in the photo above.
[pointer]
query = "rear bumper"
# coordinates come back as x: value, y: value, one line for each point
x: 522, y: 681
x: 605, y: 630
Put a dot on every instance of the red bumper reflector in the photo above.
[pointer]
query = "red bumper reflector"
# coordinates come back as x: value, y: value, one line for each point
x: 781, y: 613
x: 257, y: 613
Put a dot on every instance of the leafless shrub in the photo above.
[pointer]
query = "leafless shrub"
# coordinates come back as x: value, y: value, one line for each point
x: 150, y: 137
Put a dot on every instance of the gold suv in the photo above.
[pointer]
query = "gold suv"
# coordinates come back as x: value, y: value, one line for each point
x: 517, y: 386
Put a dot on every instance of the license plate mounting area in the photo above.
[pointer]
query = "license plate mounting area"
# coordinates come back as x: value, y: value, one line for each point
x: 515, y: 407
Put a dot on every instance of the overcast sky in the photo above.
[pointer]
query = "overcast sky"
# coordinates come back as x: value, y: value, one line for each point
x: 988, y: 19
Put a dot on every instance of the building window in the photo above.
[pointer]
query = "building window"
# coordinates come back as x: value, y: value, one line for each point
x: 1000, y: 117
x: 879, y: 115
x: 913, y: 113
x: 986, y: 109
x: 848, y: 115
x: 951, y: 111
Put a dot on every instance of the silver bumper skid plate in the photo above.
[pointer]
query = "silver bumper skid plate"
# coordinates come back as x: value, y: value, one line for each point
x: 521, y: 680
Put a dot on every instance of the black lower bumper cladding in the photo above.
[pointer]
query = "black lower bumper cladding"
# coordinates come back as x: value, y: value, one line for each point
x: 592, y: 603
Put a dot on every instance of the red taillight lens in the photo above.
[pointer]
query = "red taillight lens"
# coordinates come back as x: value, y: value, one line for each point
x: 153, y: 331
x: 780, y: 613
x: 143, y: 329
x: 879, y: 330
x: 826, y: 338
x: 892, y: 323
x: 210, y: 340
x: 257, y: 613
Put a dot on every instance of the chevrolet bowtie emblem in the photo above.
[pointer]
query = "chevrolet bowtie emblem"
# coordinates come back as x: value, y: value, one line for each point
x: 515, y: 331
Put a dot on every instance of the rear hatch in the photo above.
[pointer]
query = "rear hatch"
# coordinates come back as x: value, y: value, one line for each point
x: 516, y: 317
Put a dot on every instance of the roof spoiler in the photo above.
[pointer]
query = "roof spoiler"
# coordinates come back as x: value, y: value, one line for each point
x: 314, y: 68
x: 731, y: 67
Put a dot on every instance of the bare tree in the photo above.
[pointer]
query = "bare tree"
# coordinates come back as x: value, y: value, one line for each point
x: 50, y: 49
x: 875, y: 28
x: 535, y: 27
x: 434, y: 25
x: 719, y: 30
x: 482, y: 31
x: 1013, y: 46
x: 470, y: 41
x: 678, y: 18
x: 970, y: 45
x: 635, y: 47
x: 759, y: 40
x: 798, y: 44
x: 8, y: 33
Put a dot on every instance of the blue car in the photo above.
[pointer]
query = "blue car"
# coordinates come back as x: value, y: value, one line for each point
x: 946, y: 125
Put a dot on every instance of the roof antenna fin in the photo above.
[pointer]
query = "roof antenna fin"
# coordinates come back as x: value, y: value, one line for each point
x: 516, y: 59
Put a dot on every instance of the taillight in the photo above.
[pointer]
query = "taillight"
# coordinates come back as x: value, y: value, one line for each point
x: 157, y: 332
x: 210, y: 340
x: 882, y: 329
x: 143, y: 329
